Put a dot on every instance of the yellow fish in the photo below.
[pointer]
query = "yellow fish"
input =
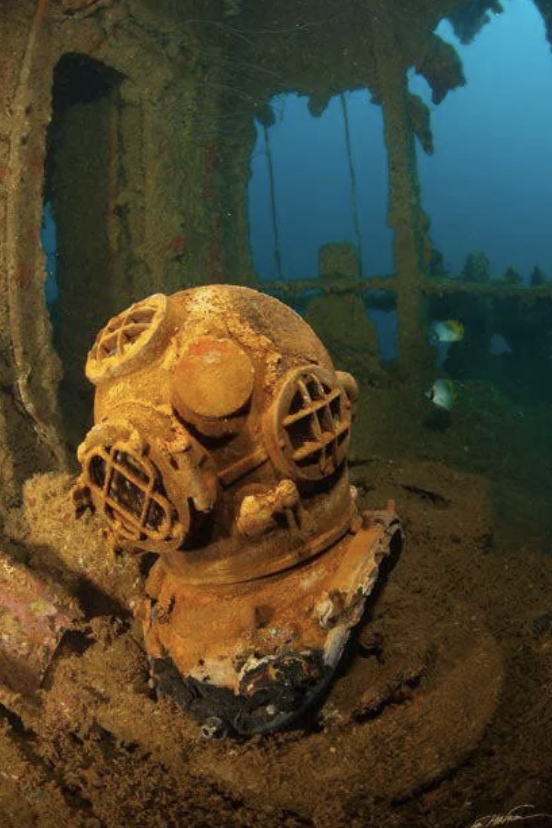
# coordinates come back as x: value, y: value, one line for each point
x: 449, y: 330
x: 442, y: 394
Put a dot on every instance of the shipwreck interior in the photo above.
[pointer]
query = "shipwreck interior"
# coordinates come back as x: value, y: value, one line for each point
x: 139, y: 155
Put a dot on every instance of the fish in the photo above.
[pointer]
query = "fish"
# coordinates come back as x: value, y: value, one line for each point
x: 448, y: 330
x: 499, y: 345
x: 442, y: 394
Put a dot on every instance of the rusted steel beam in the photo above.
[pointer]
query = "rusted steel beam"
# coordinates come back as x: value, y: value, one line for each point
x: 390, y: 284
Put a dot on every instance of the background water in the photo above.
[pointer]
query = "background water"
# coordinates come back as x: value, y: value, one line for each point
x: 488, y: 185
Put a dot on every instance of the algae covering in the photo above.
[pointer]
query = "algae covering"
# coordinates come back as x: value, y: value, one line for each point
x: 136, y: 121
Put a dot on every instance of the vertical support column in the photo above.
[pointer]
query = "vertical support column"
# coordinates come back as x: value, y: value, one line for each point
x: 405, y: 213
x: 236, y: 172
x: 183, y: 176
x: 29, y: 415
x: 180, y: 170
x: 127, y: 224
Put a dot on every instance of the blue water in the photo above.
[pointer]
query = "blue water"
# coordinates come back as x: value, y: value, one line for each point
x: 48, y: 239
x: 488, y: 186
x: 313, y: 187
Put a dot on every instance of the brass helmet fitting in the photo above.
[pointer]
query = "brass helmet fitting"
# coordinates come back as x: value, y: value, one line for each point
x: 220, y: 442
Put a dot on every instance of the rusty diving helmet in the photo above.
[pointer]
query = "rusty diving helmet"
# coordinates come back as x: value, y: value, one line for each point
x: 220, y: 443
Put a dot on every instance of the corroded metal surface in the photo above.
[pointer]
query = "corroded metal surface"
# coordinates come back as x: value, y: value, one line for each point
x: 33, y: 618
x: 257, y: 654
x: 220, y: 443
x: 207, y: 403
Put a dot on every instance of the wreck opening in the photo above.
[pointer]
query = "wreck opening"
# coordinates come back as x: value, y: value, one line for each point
x: 318, y: 175
x: 81, y: 167
x: 317, y: 212
x: 48, y: 240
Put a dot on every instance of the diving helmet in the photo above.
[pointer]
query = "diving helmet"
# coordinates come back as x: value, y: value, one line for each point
x: 220, y: 444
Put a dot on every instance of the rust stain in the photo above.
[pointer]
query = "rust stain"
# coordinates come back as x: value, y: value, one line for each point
x: 178, y: 244
x: 24, y: 275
